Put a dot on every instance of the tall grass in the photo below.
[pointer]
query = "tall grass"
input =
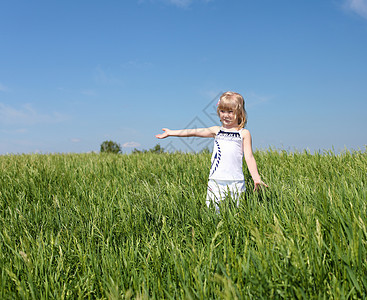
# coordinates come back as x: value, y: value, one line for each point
x: 136, y: 226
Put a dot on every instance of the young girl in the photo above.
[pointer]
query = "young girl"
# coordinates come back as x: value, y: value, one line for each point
x: 231, y: 143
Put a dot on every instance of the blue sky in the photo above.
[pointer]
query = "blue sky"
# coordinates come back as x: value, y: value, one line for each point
x: 75, y: 73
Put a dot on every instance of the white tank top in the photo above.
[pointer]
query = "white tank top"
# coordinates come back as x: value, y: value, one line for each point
x: 226, y: 162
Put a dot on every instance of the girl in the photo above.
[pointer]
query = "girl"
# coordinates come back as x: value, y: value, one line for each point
x: 231, y: 143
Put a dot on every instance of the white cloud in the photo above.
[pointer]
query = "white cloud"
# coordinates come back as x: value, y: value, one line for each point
x: 253, y: 99
x: 136, y: 64
x: 106, y: 77
x: 3, y: 88
x: 131, y: 145
x: 15, y: 131
x: 357, y: 6
x: 178, y: 3
x: 185, y: 3
x: 88, y: 92
x: 26, y: 115
x: 75, y: 140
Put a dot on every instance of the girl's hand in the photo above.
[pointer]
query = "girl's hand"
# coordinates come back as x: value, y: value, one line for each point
x: 164, y: 134
x: 258, y: 184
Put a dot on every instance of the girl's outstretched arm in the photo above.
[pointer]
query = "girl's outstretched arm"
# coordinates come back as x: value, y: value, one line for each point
x: 198, y: 132
x: 250, y: 160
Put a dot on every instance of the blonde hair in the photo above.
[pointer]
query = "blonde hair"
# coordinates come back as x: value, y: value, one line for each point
x: 233, y: 101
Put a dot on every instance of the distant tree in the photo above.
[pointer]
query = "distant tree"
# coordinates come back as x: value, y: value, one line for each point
x: 135, y: 151
x: 157, y: 149
x: 110, y: 147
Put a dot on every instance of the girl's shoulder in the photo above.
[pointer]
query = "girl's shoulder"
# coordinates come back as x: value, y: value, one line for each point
x: 214, y: 129
x: 245, y: 133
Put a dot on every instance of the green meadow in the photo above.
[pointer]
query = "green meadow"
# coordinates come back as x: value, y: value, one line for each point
x: 118, y: 226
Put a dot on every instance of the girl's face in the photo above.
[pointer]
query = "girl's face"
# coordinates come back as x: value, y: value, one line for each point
x: 228, y: 118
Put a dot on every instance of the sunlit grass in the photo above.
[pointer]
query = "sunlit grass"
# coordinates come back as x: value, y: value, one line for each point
x: 136, y: 226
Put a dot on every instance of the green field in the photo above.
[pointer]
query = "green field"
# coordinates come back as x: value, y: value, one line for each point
x: 136, y: 226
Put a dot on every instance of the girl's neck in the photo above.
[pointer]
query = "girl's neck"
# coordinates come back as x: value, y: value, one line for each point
x: 230, y: 128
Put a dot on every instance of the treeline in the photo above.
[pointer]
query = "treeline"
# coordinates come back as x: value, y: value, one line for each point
x: 113, y: 147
